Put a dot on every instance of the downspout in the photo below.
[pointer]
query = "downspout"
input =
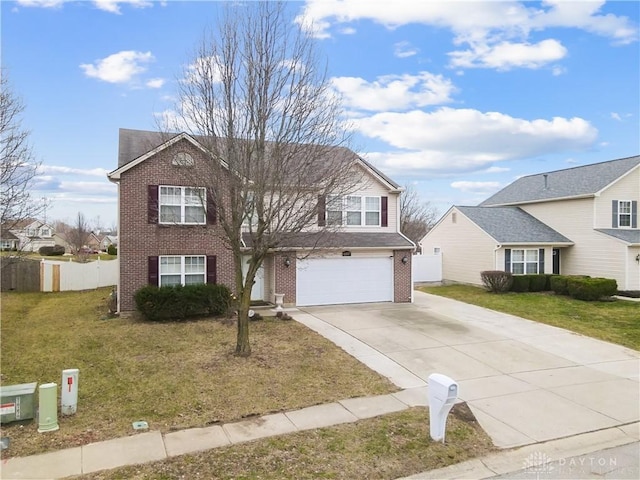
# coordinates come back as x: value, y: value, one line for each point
x: 495, y: 256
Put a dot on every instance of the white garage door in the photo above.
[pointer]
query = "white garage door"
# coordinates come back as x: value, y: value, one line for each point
x: 328, y: 281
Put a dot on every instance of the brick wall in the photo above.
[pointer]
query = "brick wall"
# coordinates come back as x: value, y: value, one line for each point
x: 285, y: 277
x: 402, y: 285
x: 138, y: 239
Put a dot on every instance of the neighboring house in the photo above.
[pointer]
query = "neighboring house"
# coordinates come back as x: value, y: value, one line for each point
x: 32, y: 234
x: 577, y: 221
x: 107, y: 241
x: 367, y: 262
x: 8, y: 241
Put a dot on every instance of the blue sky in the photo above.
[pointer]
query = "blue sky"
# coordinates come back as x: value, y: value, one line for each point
x: 456, y: 98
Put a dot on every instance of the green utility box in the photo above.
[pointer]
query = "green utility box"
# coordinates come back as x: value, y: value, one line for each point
x: 18, y: 402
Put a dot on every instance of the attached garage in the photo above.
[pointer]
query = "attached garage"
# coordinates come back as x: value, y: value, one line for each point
x: 336, y: 280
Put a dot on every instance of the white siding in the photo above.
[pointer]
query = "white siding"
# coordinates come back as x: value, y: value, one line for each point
x: 627, y: 188
x: 466, y: 250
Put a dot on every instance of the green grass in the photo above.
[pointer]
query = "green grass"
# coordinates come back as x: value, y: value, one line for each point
x: 613, y: 321
x: 390, y: 446
x: 172, y: 375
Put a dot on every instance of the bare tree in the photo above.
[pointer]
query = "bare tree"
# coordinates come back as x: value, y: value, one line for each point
x: 78, y: 236
x: 18, y: 168
x: 416, y: 216
x: 256, y: 94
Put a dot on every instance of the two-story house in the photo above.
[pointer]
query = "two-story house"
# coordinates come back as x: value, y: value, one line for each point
x: 31, y: 234
x: 169, y: 235
x: 576, y: 221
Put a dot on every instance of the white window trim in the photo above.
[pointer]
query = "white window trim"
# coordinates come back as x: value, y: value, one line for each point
x: 363, y: 211
x: 183, y: 205
x: 626, y: 215
x: 183, y: 271
x: 524, y: 261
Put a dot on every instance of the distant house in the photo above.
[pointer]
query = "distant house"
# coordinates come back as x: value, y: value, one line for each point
x: 107, y: 240
x: 576, y: 221
x: 31, y: 234
x: 8, y: 241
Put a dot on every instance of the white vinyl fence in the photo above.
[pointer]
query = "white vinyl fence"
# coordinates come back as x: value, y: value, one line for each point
x: 427, y: 268
x: 62, y: 276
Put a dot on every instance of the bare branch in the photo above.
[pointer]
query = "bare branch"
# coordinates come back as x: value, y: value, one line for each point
x: 416, y: 216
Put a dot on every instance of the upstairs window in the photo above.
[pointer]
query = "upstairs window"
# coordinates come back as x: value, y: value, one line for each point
x: 355, y: 211
x: 624, y: 213
x: 185, y: 205
x: 45, y: 232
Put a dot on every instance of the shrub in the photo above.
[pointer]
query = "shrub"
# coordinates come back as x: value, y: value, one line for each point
x: 520, y: 283
x: 496, y: 281
x: 558, y: 283
x: 112, y: 250
x: 591, y: 289
x: 181, y: 302
x: 53, y: 251
x: 537, y: 283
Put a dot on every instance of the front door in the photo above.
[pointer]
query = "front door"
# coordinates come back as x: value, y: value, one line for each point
x: 556, y: 261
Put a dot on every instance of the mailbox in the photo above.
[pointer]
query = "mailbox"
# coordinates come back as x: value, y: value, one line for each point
x: 443, y: 392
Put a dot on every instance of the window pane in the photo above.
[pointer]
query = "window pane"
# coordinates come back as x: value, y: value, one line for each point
x: 194, y: 264
x: 193, y: 279
x: 517, y: 268
x: 194, y: 214
x: 372, y: 204
x: 170, y: 264
x: 625, y: 207
x: 193, y: 196
x: 517, y: 255
x: 169, y: 214
x: 532, y: 255
x: 334, y: 218
x: 372, y: 218
x: 625, y: 221
x: 169, y: 280
x: 532, y: 268
x: 354, y: 203
x: 170, y: 196
x: 354, y: 218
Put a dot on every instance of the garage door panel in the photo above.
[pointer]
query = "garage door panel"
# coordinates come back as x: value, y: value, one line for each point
x: 325, y: 281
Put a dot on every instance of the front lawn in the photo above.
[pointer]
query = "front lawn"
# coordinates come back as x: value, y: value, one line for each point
x: 614, y: 321
x: 182, y: 375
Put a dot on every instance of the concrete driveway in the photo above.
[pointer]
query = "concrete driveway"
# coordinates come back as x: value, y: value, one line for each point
x: 525, y: 382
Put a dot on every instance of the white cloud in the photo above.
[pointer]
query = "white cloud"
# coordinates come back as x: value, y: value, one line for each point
x: 449, y: 140
x: 616, y: 116
x: 155, y: 83
x: 54, y: 169
x: 92, y: 188
x: 120, y: 67
x: 113, y: 6
x: 404, y: 50
x: 41, y: 3
x: 495, y: 32
x: 476, y: 187
x: 506, y: 55
x: 394, y: 92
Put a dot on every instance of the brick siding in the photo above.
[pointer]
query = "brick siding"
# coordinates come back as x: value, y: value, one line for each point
x: 285, y: 277
x: 402, y: 285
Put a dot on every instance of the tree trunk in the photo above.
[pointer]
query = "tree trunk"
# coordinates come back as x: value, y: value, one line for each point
x: 243, y: 348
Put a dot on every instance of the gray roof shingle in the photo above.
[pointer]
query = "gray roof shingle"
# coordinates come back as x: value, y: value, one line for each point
x: 570, y: 182
x: 340, y: 240
x: 629, y: 236
x: 512, y: 225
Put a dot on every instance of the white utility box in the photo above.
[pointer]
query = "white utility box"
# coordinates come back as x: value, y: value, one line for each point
x: 443, y: 392
x: 69, y: 391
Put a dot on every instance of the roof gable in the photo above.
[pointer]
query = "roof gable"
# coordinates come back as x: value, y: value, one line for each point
x: 512, y: 225
x: 584, y: 181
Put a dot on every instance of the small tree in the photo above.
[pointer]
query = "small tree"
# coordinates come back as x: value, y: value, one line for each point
x: 256, y: 95
x: 18, y: 167
x: 78, y: 237
x: 416, y: 216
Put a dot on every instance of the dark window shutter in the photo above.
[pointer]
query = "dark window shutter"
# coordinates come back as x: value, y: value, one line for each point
x: 634, y: 214
x: 507, y: 260
x: 152, y: 203
x: 153, y: 271
x: 384, y: 215
x: 614, y: 213
x: 541, y: 260
x: 322, y: 210
x: 211, y: 208
x: 211, y: 269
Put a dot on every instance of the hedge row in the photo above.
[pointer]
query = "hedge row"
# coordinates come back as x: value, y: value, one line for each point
x: 581, y: 287
x: 180, y: 302
x: 51, y: 251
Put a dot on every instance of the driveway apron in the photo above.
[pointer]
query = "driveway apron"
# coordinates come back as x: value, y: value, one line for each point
x: 525, y: 382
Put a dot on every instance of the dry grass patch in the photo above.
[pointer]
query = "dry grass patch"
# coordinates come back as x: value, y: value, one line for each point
x: 386, y: 447
x: 172, y: 375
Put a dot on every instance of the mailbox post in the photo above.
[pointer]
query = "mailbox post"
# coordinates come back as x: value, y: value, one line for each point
x: 443, y: 392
